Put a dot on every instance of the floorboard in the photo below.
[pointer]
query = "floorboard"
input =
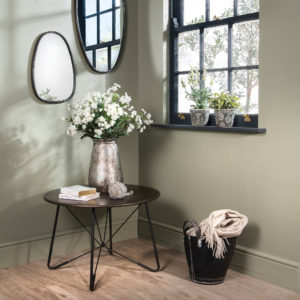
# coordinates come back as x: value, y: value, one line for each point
x: 120, y: 279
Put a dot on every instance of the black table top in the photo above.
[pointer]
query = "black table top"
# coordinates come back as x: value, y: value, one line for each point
x: 141, y: 194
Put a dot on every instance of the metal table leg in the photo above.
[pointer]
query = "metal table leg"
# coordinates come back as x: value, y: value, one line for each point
x: 102, y: 243
x: 52, y: 239
x: 92, y: 275
x: 54, y: 267
x: 152, y: 238
x: 110, y: 231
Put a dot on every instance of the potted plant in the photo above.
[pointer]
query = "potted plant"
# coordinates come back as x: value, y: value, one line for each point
x: 104, y: 118
x: 199, y: 96
x: 225, y: 105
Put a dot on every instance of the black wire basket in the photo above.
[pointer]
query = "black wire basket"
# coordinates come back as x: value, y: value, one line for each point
x: 204, y: 268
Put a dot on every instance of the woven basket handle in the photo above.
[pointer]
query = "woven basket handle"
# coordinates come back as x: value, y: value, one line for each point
x: 194, y: 225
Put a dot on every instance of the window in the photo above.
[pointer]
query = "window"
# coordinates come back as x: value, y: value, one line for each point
x: 100, y: 31
x: 220, y: 38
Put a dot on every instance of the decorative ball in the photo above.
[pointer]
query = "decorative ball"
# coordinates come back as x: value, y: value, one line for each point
x: 118, y: 190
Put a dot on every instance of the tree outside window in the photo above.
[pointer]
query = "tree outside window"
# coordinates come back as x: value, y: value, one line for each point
x: 223, y: 46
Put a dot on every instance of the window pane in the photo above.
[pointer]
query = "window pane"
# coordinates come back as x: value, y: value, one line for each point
x: 90, y: 7
x: 194, y: 11
x: 216, y: 47
x: 188, y: 50
x: 216, y: 81
x: 106, y: 27
x: 91, y: 31
x: 101, y: 60
x: 247, y: 6
x: 117, y: 24
x: 117, y: 3
x: 245, y: 40
x: 183, y: 103
x: 114, y: 54
x: 220, y: 9
x: 245, y: 86
x: 105, y: 4
x: 89, y: 55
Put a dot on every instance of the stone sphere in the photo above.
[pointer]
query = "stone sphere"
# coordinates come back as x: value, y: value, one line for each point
x: 118, y: 190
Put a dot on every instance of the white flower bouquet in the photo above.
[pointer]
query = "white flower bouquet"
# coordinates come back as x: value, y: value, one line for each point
x: 106, y: 116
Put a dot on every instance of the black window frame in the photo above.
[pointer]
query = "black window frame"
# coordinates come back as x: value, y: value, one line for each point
x: 176, y: 26
x: 99, y: 44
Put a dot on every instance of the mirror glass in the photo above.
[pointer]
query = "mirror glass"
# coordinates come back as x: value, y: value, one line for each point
x: 100, y: 26
x: 53, y: 73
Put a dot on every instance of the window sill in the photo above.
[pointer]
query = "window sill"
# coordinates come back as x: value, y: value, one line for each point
x: 211, y: 128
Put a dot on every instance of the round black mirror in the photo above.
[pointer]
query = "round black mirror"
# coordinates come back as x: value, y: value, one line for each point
x: 100, y: 25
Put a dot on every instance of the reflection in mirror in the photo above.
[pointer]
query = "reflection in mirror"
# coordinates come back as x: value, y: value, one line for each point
x: 100, y: 26
x: 52, y: 72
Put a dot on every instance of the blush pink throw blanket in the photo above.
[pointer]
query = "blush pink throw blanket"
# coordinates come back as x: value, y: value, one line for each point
x: 220, y: 225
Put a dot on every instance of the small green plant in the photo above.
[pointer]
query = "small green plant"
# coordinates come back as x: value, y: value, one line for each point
x: 193, y: 91
x: 224, y: 100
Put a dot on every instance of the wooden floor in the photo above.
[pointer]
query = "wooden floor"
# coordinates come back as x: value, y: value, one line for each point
x: 120, y: 279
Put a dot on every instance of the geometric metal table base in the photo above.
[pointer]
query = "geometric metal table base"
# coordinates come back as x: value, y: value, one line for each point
x: 102, y: 242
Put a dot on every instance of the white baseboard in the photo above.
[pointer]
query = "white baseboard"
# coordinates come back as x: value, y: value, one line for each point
x: 248, y: 261
x: 30, y: 250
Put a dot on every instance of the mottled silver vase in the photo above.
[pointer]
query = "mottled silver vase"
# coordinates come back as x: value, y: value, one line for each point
x: 224, y: 117
x: 199, y: 117
x: 105, y: 166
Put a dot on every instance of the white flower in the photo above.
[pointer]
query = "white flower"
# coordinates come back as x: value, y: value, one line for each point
x: 77, y: 120
x: 120, y: 111
x: 101, y: 119
x: 106, y: 125
x: 138, y: 119
x: 63, y: 118
x: 111, y: 108
x: 98, y: 132
x: 72, y: 130
x: 133, y: 114
x: 125, y: 99
x: 115, y: 87
x: 148, y: 122
x: 130, y: 128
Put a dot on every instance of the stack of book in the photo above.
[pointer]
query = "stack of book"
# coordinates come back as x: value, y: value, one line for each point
x: 78, y: 192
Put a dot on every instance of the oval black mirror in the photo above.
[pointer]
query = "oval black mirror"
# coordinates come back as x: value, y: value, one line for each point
x: 52, y: 68
x: 100, y: 25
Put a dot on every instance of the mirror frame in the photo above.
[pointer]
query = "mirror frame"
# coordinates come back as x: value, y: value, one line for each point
x: 122, y: 44
x: 33, y: 62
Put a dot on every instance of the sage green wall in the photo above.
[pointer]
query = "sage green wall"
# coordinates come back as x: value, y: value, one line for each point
x: 256, y: 174
x: 196, y: 172
x: 36, y: 155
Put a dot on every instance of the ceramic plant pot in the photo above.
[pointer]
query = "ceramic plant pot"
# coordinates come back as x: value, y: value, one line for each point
x: 105, y: 166
x: 224, y: 117
x: 199, y: 117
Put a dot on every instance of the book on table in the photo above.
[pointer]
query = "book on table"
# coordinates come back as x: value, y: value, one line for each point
x: 82, y: 198
x: 78, y: 190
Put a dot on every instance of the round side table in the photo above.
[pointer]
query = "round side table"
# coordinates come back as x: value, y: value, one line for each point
x: 141, y: 196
